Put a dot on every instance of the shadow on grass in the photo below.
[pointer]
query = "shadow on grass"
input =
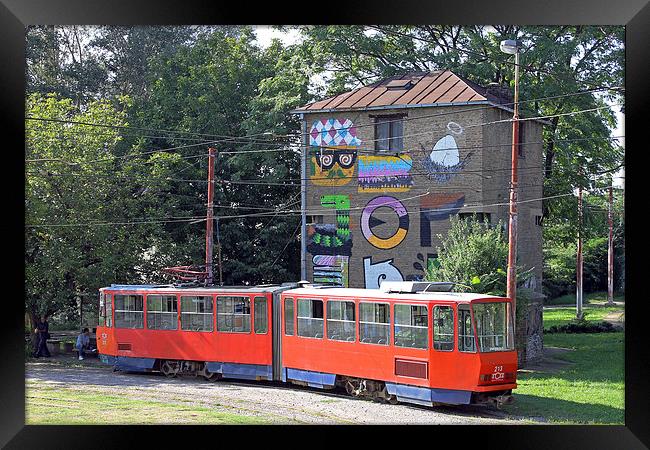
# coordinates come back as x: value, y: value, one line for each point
x: 556, y: 410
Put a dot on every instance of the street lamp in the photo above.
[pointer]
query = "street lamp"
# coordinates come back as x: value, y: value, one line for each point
x: 512, y: 47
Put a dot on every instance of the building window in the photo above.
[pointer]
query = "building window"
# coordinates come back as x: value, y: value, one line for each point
x: 129, y: 311
x: 411, y: 325
x: 196, y: 313
x: 162, y: 312
x: 478, y: 216
x: 466, y: 342
x: 389, y: 133
x: 310, y: 318
x: 261, y: 316
x: 288, y: 317
x: 341, y: 325
x: 443, y: 328
x: 374, y: 323
x: 234, y: 314
x: 314, y: 219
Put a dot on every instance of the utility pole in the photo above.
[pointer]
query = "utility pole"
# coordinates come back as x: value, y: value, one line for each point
x: 208, y: 224
x: 510, y: 47
x: 610, y: 251
x: 579, y: 259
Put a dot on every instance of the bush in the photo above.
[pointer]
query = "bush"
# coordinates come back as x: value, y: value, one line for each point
x: 583, y: 326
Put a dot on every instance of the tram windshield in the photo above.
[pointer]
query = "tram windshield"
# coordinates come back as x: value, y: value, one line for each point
x: 494, y: 326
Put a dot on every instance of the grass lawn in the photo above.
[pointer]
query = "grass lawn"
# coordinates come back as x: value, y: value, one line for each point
x: 562, y: 316
x: 592, y: 297
x: 70, y: 405
x: 591, y: 389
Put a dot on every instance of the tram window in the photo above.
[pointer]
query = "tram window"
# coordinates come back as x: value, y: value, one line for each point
x: 310, y: 318
x: 288, y: 317
x: 196, y: 313
x: 493, y: 326
x: 109, y: 311
x: 466, y: 341
x: 374, y: 323
x: 411, y: 326
x: 102, y: 309
x: 234, y: 314
x: 261, y: 317
x: 341, y: 325
x: 129, y: 311
x: 443, y: 328
x: 162, y: 312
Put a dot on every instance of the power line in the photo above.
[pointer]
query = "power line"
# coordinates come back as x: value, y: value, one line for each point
x: 300, y: 135
x: 322, y: 147
x: 224, y: 137
x: 300, y: 211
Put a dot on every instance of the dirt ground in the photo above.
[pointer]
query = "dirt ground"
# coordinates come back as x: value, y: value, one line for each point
x: 273, y: 402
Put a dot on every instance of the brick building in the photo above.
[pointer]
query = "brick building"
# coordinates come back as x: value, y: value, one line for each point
x: 387, y: 164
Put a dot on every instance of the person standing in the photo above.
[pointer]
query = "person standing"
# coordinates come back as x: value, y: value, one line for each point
x: 83, y: 343
x: 42, y: 332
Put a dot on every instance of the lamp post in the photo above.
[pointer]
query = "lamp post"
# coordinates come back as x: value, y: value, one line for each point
x: 512, y: 47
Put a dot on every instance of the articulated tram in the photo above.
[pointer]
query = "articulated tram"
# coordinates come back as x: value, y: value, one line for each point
x: 405, y: 342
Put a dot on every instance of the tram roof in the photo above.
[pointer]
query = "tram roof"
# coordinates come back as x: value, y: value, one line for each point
x: 208, y: 290
x: 378, y: 294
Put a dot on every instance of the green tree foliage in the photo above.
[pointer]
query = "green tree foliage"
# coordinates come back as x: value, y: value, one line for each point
x: 224, y: 85
x: 117, y: 190
x: 474, y: 254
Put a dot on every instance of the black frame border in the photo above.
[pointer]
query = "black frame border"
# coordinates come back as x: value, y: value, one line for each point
x: 15, y: 15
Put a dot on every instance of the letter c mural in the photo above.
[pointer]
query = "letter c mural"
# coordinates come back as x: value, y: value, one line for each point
x: 368, y: 221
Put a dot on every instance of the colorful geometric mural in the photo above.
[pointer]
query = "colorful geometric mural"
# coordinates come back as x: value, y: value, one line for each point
x: 368, y: 222
x: 443, y: 162
x: 333, y: 163
x: 331, y: 269
x: 332, y: 239
x: 385, y: 173
x: 333, y: 133
x: 375, y: 274
x: 434, y: 207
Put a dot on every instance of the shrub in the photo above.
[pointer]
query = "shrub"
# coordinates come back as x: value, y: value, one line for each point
x: 583, y: 326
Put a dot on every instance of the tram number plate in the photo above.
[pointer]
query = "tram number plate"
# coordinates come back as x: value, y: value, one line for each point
x: 498, y: 373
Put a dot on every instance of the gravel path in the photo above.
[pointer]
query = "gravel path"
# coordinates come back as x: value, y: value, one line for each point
x: 271, y: 401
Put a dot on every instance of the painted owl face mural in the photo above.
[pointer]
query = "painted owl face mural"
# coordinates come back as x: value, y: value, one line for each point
x: 334, y: 152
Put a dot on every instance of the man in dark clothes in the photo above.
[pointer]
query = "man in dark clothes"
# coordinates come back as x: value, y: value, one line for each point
x: 42, y: 335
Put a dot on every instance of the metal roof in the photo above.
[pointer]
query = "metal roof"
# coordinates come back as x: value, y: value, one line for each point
x: 412, y: 89
x: 328, y: 292
x: 170, y: 288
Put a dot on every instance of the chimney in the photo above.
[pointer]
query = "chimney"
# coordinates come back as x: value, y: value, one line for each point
x: 502, y: 93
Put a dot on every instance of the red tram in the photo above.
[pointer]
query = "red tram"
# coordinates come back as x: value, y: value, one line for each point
x: 402, y: 342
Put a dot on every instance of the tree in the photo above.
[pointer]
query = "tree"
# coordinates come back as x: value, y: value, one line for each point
x: 224, y: 85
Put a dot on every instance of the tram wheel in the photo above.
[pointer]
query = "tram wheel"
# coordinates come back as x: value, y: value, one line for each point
x: 168, y: 370
x: 211, y: 376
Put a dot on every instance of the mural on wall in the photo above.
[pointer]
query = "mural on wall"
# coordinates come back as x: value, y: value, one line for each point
x: 331, y: 269
x: 435, y: 207
x: 332, y: 239
x: 370, y: 219
x: 375, y: 274
x: 443, y: 161
x: 333, y: 165
x: 385, y: 173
